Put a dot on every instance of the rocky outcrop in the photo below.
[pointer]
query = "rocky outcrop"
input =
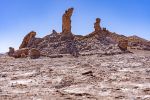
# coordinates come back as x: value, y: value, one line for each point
x: 21, y: 53
x: 66, y: 25
x: 27, y: 39
x: 100, y: 41
x: 24, y: 52
x: 66, y: 21
x: 97, y: 25
x: 11, y: 51
x: 34, y: 53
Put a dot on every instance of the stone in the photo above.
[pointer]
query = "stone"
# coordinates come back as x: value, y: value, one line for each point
x: 90, y: 73
x: 27, y: 39
x: 123, y: 44
x: 97, y: 25
x: 34, y: 53
x: 66, y: 21
x: 11, y: 51
x: 21, y: 53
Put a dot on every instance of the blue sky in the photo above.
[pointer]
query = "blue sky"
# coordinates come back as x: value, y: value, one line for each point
x: 19, y: 17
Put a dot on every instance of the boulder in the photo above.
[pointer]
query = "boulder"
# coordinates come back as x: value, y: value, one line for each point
x: 21, y: 53
x: 34, y: 53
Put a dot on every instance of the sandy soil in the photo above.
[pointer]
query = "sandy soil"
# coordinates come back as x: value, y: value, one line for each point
x: 96, y: 77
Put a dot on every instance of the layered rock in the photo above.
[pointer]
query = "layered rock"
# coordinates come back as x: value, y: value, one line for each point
x: 27, y: 39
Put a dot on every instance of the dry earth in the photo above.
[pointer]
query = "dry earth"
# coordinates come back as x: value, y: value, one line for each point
x: 95, y: 77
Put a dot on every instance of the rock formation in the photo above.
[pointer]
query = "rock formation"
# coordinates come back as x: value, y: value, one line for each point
x: 66, y: 21
x: 97, y: 25
x: 27, y: 39
x: 34, y: 53
x: 100, y: 41
x: 66, y: 25
x: 11, y: 51
x: 21, y: 53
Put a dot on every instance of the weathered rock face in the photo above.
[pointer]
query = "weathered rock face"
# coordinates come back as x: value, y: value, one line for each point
x: 123, y: 44
x: 11, y: 51
x: 66, y: 21
x: 34, y: 53
x: 21, y: 53
x: 97, y: 25
x: 27, y: 39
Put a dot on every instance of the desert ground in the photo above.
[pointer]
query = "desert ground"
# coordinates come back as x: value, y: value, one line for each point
x: 94, y: 77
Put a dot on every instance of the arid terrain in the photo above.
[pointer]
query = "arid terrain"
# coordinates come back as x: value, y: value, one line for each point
x: 95, y: 77
x: 66, y: 66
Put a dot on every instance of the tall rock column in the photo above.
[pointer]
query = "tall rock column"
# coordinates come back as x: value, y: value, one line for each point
x: 97, y: 25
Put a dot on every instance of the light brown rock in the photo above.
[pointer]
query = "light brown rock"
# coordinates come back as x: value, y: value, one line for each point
x: 66, y: 21
x: 21, y: 53
x: 27, y: 39
x: 97, y: 25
